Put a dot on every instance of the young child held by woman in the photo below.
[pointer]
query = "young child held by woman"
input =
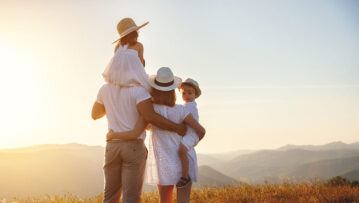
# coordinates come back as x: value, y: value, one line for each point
x: 190, y: 92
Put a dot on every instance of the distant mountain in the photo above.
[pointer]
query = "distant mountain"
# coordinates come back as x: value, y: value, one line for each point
x: 205, y: 159
x: 218, y: 158
x: 209, y: 176
x: 230, y: 155
x: 44, y: 147
x: 74, y: 168
x: 51, y: 169
x: 326, y: 168
x: 352, y: 175
x: 329, y: 146
x: 271, y: 164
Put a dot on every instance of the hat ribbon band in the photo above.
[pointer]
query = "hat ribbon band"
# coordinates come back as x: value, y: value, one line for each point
x: 128, y: 30
x: 164, y: 84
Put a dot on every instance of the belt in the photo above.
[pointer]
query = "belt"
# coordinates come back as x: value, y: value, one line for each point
x: 121, y: 141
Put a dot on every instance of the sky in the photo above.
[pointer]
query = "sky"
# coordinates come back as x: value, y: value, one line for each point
x: 271, y: 72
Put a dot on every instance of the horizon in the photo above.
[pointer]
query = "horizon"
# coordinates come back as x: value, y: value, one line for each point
x: 222, y: 152
x: 271, y: 73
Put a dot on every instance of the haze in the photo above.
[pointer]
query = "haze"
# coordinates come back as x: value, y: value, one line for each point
x: 271, y: 72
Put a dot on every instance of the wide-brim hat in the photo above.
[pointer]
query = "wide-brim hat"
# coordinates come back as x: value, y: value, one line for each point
x: 126, y: 26
x: 193, y: 84
x: 164, y: 80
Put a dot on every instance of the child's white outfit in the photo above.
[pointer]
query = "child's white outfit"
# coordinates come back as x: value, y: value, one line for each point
x: 191, y: 139
x: 125, y: 69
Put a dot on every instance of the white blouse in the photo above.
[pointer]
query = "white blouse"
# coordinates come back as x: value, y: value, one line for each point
x: 163, y: 163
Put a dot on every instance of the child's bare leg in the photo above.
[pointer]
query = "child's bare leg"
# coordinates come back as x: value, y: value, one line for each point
x: 184, y: 160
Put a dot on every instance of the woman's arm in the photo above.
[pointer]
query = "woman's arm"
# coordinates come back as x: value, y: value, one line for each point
x: 189, y: 120
x: 145, y: 108
x: 98, y: 111
x: 129, y: 135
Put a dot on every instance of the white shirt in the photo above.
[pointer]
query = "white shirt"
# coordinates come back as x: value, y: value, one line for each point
x: 192, y: 108
x: 191, y: 139
x: 121, y: 106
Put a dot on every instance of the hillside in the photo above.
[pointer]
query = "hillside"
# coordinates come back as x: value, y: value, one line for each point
x: 226, y: 156
x: 51, y: 170
x: 58, y: 169
x: 329, y: 146
x: 209, y: 176
x: 270, y: 164
x: 326, y: 168
x: 205, y: 159
x: 237, y: 193
x: 75, y: 168
x: 352, y: 175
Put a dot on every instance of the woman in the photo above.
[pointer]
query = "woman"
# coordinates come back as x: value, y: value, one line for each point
x: 164, y: 165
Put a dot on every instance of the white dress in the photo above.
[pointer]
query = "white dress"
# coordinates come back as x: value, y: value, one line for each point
x: 163, y: 163
x: 125, y: 69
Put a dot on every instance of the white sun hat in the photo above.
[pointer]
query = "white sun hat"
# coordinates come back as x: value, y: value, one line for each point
x: 126, y: 26
x: 164, y: 80
x: 194, y: 84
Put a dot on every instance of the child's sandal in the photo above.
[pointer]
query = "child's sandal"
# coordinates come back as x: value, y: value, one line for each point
x: 183, y: 182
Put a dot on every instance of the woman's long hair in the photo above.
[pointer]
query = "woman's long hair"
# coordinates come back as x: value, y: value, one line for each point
x: 130, y: 40
x: 167, y: 98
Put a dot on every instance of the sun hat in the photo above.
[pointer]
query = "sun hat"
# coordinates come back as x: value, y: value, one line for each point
x: 126, y: 26
x: 164, y: 80
x: 193, y: 84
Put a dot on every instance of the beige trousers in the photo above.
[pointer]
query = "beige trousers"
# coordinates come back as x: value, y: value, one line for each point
x: 124, y: 170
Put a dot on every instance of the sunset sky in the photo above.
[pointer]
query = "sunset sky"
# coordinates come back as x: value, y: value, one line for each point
x: 271, y: 72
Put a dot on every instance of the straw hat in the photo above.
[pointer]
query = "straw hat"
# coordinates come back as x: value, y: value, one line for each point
x: 165, y: 80
x: 126, y: 26
x: 193, y: 84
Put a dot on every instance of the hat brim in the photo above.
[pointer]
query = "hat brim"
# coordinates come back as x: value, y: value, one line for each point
x: 139, y: 27
x: 198, y: 90
x: 177, y: 82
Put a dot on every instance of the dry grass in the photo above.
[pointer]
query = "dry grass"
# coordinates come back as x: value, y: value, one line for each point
x: 285, y: 192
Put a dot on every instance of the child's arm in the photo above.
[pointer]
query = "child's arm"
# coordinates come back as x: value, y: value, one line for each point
x: 129, y: 135
x: 139, y: 48
x: 140, y: 53
x: 189, y: 120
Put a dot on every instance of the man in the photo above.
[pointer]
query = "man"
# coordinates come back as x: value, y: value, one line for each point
x: 125, y: 161
x: 123, y: 99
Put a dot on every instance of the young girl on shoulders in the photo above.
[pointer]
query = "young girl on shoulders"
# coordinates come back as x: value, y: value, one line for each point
x: 128, y: 61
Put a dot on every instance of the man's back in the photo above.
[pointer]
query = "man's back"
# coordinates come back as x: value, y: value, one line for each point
x: 121, y: 105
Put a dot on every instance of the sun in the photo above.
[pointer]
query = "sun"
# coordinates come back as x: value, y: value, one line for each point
x: 20, y: 89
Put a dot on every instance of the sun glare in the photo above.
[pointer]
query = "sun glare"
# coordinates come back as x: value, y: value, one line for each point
x: 20, y: 89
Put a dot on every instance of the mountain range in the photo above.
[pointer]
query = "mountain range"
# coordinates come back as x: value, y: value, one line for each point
x: 75, y: 168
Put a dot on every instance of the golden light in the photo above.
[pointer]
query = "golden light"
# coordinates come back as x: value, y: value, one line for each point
x: 20, y: 89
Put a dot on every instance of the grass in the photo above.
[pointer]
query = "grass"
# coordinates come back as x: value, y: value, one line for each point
x: 284, y: 192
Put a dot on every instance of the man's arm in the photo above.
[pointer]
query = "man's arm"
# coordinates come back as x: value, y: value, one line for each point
x: 129, y: 135
x: 98, y: 111
x: 145, y: 108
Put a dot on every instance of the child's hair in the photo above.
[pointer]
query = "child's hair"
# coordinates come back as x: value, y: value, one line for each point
x: 130, y: 39
x: 167, y: 98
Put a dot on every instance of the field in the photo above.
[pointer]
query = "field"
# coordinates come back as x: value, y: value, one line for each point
x: 285, y: 192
